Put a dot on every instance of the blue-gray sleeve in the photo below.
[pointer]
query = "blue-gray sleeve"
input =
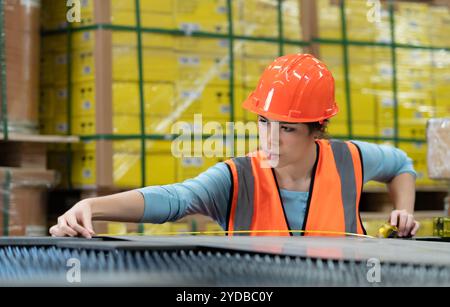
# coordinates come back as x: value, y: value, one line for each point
x: 206, y: 194
x: 382, y: 162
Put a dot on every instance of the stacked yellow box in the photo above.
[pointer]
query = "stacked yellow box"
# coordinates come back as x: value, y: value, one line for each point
x: 329, y: 19
x: 413, y: 23
x: 182, y: 76
x: 440, y: 16
x: 367, y: 21
x: 422, y: 75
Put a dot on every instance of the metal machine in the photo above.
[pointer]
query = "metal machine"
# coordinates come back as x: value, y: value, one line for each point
x: 224, y: 261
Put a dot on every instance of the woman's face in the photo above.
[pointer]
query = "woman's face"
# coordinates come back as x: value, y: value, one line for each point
x: 284, y: 143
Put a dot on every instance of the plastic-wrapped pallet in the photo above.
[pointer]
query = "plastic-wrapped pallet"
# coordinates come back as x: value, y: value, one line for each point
x: 438, y: 134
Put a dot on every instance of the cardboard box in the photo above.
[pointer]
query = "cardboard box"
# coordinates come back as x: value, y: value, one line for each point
x: 23, y: 205
x: 22, y: 43
x: 22, y: 154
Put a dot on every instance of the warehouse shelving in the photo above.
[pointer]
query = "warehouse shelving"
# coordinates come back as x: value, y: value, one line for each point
x: 280, y: 40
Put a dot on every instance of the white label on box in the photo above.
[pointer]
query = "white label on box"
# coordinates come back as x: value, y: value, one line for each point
x: 388, y: 132
x: 87, y: 70
x: 35, y: 231
x: 62, y: 127
x: 87, y: 173
x: 186, y: 60
x: 223, y: 43
x: 225, y: 109
x: 31, y: 3
x: 192, y: 162
x: 418, y: 115
x: 417, y: 85
x: 62, y: 93
x: 194, y: 95
x: 87, y: 105
x: 86, y: 36
x: 61, y: 60
x: 188, y: 28
x: 222, y: 9
x: 225, y: 76
x: 387, y: 102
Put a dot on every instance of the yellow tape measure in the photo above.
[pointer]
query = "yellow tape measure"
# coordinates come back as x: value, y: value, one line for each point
x: 388, y: 231
x: 247, y: 232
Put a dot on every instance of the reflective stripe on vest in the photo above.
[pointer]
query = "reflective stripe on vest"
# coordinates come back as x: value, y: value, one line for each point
x: 333, y: 204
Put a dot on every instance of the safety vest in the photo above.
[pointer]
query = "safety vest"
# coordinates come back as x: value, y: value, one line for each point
x: 334, y: 195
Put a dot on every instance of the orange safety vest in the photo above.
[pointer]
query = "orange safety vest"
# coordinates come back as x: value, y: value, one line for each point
x: 334, y: 195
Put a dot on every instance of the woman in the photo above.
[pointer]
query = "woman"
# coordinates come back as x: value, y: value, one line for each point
x: 297, y: 184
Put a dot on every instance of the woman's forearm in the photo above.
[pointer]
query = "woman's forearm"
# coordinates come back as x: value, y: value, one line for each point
x: 122, y: 207
x: 402, y: 190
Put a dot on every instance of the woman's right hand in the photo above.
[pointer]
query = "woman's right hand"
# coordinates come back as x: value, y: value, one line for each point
x: 75, y: 222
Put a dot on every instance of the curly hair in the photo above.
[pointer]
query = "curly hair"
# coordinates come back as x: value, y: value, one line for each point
x: 319, y: 128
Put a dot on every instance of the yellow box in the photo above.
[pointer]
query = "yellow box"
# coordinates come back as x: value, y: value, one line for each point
x: 180, y: 228
x: 338, y: 128
x: 134, y: 146
x: 260, y: 49
x: 58, y: 69
x: 83, y: 168
x: 117, y: 229
x: 206, y: 69
x: 211, y: 101
x: 290, y: 49
x: 253, y: 69
x: 363, y: 107
x: 159, y: 98
x: 159, y: 65
x: 160, y: 169
x: 145, y: 6
x: 205, y: 15
x: 83, y: 66
x: 59, y: 125
x: 149, y: 40
x: 200, y: 45
x: 365, y: 128
x: 157, y: 229
x: 83, y: 125
x: 190, y: 167
x: 148, y: 19
x: 83, y: 99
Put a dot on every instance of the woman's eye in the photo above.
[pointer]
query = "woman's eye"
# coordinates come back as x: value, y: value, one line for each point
x: 288, y: 129
x: 263, y: 121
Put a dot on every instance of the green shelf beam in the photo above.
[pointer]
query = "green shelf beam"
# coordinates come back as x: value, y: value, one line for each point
x: 69, y: 105
x: 141, y: 92
x: 280, y: 27
x: 330, y: 41
x: 346, y: 62
x: 197, y: 34
x: 171, y: 137
x: 394, y: 71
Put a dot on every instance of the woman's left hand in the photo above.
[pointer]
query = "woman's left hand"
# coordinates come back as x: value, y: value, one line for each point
x: 405, y: 223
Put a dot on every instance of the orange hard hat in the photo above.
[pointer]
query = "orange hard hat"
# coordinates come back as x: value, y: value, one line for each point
x: 295, y: 88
